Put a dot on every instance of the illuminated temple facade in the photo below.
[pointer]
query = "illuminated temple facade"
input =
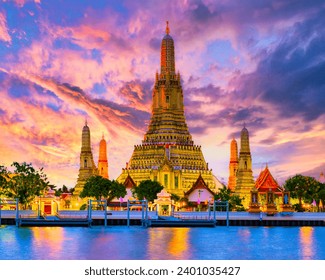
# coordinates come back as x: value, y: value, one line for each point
x: 167, y: 153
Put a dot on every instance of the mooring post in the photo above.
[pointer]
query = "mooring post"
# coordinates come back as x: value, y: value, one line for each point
x: 89, y: 212
x: 227, y: 206
x: 17, y: 212
x: 128, y: 214
x: 142, y: 212
x: 105, y: 213
x: 214, y: 212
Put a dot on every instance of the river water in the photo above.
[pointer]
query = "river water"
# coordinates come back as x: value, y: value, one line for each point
x: 138, y: 243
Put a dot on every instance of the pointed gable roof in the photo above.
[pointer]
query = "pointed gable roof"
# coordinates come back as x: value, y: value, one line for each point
x: 129, y: 183
x: 199, y: 184
x: 266, y: 182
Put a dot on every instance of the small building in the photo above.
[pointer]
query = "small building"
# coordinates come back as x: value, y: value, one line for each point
x: 199, y: 195
x: 268, y: 189
x: 121, y: 202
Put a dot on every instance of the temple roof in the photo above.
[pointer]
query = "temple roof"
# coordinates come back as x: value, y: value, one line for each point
x: 129, y: 183
x: 199, y: 184
x: 265, y: 182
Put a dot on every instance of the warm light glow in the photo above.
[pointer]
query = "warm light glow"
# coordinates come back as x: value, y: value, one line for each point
x: 177, y: 243
x: 307, y: 242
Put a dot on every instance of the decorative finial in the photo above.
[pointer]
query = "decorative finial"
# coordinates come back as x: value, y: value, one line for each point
x: 167, y: 28
x: 103, y: 136
x: 86, y: 122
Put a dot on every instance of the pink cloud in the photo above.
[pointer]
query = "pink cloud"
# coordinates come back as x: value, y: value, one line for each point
x: 4, y: 32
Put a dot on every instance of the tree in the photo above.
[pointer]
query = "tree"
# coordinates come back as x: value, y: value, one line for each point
x: 225, y: 194
x: 147, y: 189
x: 302, y: 187
x: 62, y: 190
x: 102, y: 188
x: 25, y: 183
x: 4, y: 177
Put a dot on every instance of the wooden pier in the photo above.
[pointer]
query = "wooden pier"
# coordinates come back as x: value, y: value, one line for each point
x: 179, y: 219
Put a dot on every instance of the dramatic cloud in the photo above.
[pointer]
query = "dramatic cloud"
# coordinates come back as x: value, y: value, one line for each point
x: 256, y: 63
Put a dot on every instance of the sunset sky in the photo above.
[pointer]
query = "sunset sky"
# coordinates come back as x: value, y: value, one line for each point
x: 261, y: 63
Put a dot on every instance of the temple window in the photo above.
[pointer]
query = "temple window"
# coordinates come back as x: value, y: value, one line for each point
x: 176, y: 182
x: 167, y: 98
x: 85, y: 163
x: 166, y: 180
x: 245, y: 164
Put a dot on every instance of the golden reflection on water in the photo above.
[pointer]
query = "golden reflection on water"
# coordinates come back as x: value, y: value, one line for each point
x: 48, y: 237
x: 176, y: 242
x: 306, y: 242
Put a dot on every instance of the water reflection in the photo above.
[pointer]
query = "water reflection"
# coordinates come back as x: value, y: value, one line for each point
x: 306, y: 236
x: 50, y: 239
x: 175, y: 243
x: 120, y: 242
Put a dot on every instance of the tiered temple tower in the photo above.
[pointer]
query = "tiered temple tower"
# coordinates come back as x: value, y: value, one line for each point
x: 102, y: 159
x: 87, y: 165
x: 167, y: 153
x: 245, y: 181
x: 233, y: 165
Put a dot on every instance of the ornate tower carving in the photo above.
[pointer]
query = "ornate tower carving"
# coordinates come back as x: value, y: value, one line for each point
x: 245, y: 181
x: 102, y: 159
x: 233, y: 165
x: 87, y: 165
x: 167, y: 153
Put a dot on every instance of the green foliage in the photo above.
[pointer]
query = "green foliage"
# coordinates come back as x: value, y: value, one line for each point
x: 175, y: 197
x: 4, y: 177
x: 62, y: 190
x: 102, y: 188
x: 25, y: 183
x: 83, y: 207
x: 302, y: 187
x: 147, y: 189
x: 235, y: 202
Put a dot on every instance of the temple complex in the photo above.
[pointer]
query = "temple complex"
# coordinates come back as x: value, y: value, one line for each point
x: 102, y: 159
x: 244, y: 176
x: 167, y: 153
x: 233, y: 165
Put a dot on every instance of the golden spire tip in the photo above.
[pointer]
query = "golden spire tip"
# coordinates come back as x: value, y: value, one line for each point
x: 167, y: 27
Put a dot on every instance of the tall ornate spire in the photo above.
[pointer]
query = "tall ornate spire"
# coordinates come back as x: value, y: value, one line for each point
x: 102, y: 159
x: 85, y: 139
x: 244, y: 141
x: 245, y: 181
x: 167, y: 54
x: 168, y: 154
x: 167, y: 124
x: 87, y: 165
x: 167, y: 28
x: 233, y: 165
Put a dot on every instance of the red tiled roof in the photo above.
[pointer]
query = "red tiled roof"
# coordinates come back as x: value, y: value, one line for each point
x: 265, y: 182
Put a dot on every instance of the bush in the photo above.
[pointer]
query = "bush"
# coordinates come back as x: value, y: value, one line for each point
x: 83, y: 207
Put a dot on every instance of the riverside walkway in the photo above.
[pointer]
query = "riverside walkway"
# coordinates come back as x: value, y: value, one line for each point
x: 81, y: 218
